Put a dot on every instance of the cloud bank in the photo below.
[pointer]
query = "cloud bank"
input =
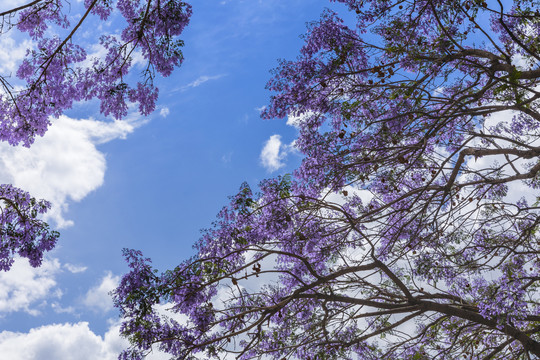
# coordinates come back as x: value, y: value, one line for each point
x: 62, y: 342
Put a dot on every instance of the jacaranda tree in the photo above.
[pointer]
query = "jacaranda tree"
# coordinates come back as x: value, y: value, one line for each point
x: 57, y: 72
x: 410, y: 231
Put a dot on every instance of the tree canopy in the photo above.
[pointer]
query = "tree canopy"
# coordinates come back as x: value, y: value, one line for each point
x: 410, y: 229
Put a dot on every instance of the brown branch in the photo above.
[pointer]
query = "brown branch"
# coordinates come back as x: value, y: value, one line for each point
x: 528, y: 343
x: 351, y: 300
x: 22, y: 7
x: 526, y: 154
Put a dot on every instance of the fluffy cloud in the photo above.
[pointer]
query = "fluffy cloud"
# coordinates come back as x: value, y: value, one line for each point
x: 64, y: 164
x: 164, y: 111
x: 274, y: 153
x: 66, y: 342
x: 62, y: 342
x: 24, y: 286
x: 98, y: 297
x: 72, y: 341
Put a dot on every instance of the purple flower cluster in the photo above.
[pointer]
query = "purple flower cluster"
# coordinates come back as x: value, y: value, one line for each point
x: 22, y: 232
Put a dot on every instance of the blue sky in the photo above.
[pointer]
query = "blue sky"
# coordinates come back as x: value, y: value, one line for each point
x: 145, y: 183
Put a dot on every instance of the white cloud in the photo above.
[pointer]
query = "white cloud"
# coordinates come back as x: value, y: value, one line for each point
x: 24, y: 286
x: 296, y: 120
x: 98, y: 297
x: 164, y: 111
x: 341, y: 199
x: 74, y: 268
x: 201, y: 80
x: 11, y: 53
x: 59, y: 309
x: 73, y: 341
x: 64, y: 164
x: 139, y: 60
x: 67, y: 342
x: 62, y: 342
x: 274, y: 153
x: 165, y: 309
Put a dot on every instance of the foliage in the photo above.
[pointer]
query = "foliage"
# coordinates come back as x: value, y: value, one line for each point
x: 57, y: 72
x: 402, y: 235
